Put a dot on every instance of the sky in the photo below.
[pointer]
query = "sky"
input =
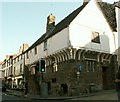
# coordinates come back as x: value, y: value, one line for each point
x: 24, y: 21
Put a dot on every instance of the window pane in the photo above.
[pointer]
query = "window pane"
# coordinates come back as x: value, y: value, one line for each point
x: 45, y: 45
x: 95, y: 37
x: 27, y: 55
x: 35, y: 50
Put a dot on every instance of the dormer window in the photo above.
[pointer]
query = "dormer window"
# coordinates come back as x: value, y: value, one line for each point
x: 95, y: 37
x: 45, y: 45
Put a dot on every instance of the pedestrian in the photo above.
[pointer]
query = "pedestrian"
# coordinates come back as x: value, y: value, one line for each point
x: 117, y: 81
x: 26, y: 88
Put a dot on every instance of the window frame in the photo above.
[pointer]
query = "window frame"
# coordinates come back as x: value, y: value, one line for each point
x: 45, y: 45
x: 95, y: 37
x: 90, y: 65
x: 18, y: 58
x: 14, y: 70
x: 20, y: 68
x: 21, y: 56
x: 27, y: 55
x: 35, y: 50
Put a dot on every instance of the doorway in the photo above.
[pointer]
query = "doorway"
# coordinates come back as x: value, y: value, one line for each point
x: 64, y: 88
x: 105, y: 78
x: 49, y: 88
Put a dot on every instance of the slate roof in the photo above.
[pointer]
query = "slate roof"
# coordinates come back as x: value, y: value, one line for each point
x: 107, y: 9
x: 109, y: 13
x: 61, y: 25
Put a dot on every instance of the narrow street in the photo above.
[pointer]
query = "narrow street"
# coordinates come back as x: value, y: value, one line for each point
x: 13, y: 98
x: 6, y: 97
x: 107, y: 95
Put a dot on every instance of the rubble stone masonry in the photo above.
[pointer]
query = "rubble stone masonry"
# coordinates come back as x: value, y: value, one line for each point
x: 74, y: 77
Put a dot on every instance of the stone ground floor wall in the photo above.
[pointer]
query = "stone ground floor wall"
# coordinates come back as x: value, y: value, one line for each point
x: 72, y: 78
x: 33, y: 85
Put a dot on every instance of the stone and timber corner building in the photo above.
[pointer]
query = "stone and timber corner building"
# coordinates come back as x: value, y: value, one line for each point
x: 79, y: 53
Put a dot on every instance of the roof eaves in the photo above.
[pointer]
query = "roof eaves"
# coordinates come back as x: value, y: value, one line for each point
x: 36, y: 43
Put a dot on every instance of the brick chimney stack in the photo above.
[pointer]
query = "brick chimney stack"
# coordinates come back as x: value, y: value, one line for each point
x: 50, y: 22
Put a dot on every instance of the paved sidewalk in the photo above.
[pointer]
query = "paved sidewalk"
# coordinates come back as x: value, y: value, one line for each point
x: 110, y: 95
x: 38, y: 97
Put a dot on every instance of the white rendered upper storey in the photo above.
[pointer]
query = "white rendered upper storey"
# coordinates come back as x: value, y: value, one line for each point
x: 88, y: 22
x: 79, y: 29
x: 117, y: 34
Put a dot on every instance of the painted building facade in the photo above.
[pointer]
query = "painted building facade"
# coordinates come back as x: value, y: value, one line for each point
x: 79, y: 53
x: 13, y: 67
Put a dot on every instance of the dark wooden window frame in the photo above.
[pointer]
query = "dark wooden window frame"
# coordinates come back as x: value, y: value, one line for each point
x: 95, y: 37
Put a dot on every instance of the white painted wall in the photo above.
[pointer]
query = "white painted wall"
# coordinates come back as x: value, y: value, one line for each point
x: 88, y: 20
x: 117, y: 34
x: 55, y: 43
x: 79, y: 34
x: 17, y: 67
x: 59, y: 41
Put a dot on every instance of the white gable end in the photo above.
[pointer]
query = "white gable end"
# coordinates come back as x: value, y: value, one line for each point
x: 88, y: 20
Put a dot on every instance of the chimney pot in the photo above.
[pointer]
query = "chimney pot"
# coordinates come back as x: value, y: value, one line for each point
x: 50, y: 22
